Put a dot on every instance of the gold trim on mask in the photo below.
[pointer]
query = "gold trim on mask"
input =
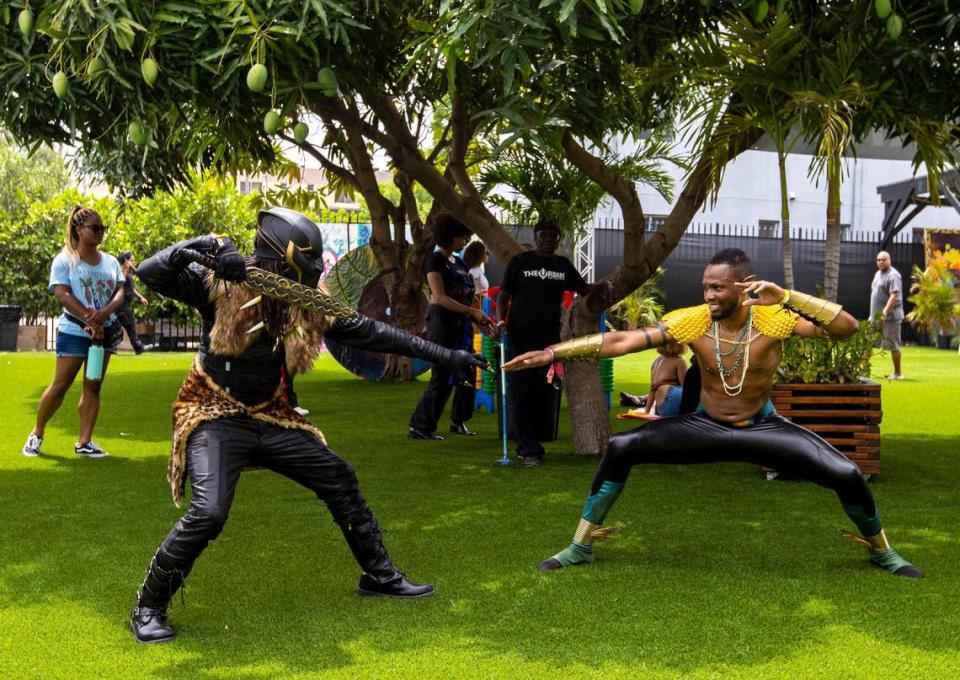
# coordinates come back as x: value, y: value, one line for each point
x: 288, y: 257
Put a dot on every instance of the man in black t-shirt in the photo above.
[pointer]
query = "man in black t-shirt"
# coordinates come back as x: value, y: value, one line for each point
x: 533, y: 287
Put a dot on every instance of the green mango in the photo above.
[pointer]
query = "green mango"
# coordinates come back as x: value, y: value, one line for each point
x: 61, y: 84
x: 636, y: 6
x: 25, y: 19
x: 894, y: 26
x: 95, y: 66
x: 150, y: 71
x: 136, y: 133
x: 882, y: 8
x: 327, y: 80
x: 257, y: 77
x: 300, y: 132
x: 271, y: 122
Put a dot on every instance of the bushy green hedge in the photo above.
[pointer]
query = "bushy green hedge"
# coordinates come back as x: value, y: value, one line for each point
x: 810, y: 360
x: 30, y: 240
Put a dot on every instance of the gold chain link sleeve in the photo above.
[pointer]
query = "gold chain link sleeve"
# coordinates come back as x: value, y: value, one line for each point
x: 687, y: 324
x: 297, y: 294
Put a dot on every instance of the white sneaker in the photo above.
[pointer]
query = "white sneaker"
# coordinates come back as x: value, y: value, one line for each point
x: 894, y: 376
x: 302, y: 411
x: 32, y: 447
x: 89, y: 450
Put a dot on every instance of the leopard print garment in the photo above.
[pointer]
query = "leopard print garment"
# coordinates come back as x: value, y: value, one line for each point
x: 201, y: 400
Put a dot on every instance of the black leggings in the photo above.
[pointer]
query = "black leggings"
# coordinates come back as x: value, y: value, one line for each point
x: 218, y: 450
x: 773, y: 441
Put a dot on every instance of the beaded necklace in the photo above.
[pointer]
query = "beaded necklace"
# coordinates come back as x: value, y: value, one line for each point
x: 743, y: 356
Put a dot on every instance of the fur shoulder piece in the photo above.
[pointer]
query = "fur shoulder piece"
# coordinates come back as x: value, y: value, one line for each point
x: 229, y: 335
x: 687, y: 324
x: 774, y: 321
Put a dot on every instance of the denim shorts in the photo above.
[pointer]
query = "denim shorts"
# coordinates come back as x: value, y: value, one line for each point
x: 69, y: 345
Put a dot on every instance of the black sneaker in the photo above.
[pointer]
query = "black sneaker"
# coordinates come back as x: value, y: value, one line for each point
x: 32, y: 447
x: 531, y: 461
x: 89, y: 450
x: 414, y: 433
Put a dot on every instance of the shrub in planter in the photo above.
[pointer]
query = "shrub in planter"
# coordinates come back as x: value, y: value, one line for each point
x: 936, y: 302
x: 821, y: 386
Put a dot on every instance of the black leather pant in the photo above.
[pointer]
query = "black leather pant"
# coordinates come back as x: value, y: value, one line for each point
x: 773, y: 441
x: 216, y: 453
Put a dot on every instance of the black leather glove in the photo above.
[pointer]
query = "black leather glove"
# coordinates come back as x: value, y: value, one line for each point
x: 464, y: 365
x: 230, y: 264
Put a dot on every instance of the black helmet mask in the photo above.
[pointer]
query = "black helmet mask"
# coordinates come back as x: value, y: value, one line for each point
x: 294, y: 240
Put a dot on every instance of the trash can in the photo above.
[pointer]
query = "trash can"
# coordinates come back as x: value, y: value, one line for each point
x: 9, y: 322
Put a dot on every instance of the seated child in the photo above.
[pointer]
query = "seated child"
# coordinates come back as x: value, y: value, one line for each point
x: 666, y: 380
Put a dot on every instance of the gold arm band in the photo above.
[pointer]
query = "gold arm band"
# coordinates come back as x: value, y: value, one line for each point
x: 586, y: 347
x: 821, y: 312
x: 584, y: 533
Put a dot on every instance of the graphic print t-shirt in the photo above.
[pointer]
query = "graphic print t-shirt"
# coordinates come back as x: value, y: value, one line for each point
x: 92, y: 285
x: 536, y: 286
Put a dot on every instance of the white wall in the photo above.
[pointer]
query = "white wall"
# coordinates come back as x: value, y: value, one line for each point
x: 751, y: 192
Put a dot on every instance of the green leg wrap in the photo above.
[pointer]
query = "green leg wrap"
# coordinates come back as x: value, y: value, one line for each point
x: 576, y: 553
x: 868, y: 526
x: 889, y: 560
x: 599, y: 504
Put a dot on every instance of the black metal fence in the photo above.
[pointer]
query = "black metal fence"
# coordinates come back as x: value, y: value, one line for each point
x: 684, y: 266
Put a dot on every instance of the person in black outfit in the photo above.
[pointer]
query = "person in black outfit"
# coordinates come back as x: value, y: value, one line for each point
x: 125, y: 314
x: 230, y: 411
x: 449, y: 318
x: 533, y: 287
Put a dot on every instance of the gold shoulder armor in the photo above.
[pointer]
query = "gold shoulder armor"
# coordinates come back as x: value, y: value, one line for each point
x: 774, y: 321
x: 687, y: 324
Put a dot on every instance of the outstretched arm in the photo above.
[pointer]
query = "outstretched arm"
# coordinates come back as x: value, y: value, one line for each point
x: 365, y: 333
x: 600, y: 345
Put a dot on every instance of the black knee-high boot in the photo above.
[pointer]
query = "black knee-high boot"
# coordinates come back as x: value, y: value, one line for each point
x: 379, y: 576
x: 148, y: 620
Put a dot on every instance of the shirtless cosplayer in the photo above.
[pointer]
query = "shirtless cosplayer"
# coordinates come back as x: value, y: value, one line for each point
x: 737, y: 338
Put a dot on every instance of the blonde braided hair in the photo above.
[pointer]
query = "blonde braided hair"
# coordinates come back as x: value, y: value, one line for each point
x: 79, y: 216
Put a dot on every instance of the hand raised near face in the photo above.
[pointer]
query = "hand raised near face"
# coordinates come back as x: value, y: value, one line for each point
x: 761, y: 293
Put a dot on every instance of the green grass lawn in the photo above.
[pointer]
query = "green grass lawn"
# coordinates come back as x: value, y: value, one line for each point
x: 719, y: 573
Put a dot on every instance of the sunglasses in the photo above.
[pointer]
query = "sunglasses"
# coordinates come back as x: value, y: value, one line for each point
x: 96, y: 228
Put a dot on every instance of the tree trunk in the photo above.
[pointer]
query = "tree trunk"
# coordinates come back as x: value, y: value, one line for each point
x: 405, y: 301
x: 589, y: 417
x: 831, y: 254
x: 785, y: 223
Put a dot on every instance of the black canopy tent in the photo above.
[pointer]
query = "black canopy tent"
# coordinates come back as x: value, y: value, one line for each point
x: 914, y: 194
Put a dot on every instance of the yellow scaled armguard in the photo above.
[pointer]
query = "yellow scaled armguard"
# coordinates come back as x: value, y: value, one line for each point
x: 687, y: 324
x: 774, y: 321
x: 586, y: 347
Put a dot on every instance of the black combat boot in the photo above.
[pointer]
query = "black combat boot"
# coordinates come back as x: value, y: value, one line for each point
x: 148, y: 620
x: 379, y: 577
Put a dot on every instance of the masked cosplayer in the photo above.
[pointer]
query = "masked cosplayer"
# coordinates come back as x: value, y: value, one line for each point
x: 230, y: 411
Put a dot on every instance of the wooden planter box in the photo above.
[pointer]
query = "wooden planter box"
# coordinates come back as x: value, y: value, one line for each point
x: 847, y: 416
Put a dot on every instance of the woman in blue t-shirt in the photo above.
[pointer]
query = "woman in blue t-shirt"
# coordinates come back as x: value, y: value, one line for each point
x: 89, y: 285
x: 450, y: 319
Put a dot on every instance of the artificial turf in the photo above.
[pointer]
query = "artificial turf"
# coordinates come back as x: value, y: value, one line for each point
x: 719, y: 573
